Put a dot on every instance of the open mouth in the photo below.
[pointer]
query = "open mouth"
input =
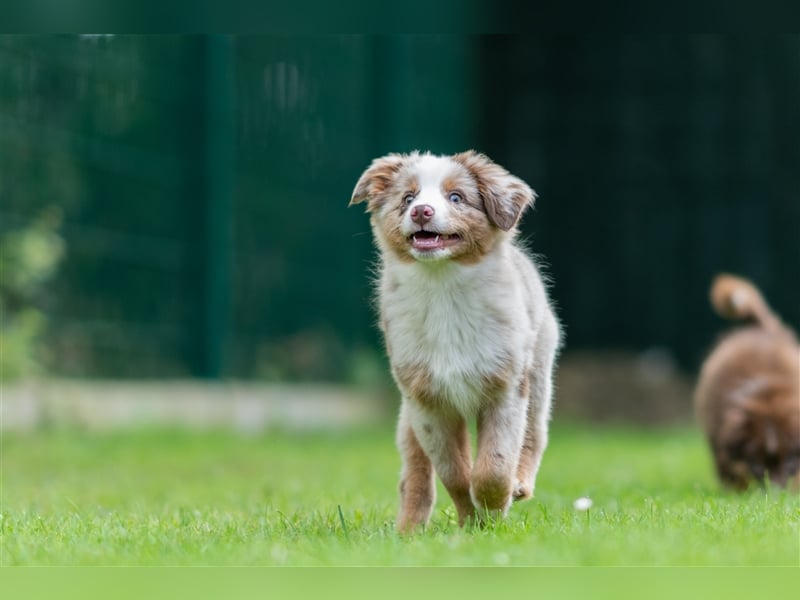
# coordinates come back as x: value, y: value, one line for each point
x: 432, y: 240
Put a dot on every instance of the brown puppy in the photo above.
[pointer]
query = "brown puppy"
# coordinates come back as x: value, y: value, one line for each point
x: 468, y: 329
x: 748, y: 397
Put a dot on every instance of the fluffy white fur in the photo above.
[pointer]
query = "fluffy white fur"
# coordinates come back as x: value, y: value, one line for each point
x: 468, y: 328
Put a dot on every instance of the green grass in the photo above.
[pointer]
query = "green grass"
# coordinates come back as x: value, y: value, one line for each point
x: 180, y: 498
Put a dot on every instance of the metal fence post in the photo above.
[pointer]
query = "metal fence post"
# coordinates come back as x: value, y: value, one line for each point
x: 219, y: 159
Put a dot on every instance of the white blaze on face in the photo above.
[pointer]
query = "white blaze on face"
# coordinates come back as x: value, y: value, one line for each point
x: 430, y: 172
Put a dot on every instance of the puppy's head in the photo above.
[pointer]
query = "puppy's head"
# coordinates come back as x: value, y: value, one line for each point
x: 431, y: 208
x: 759, y: 440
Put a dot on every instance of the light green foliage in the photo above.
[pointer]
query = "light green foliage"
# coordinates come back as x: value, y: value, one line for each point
x: 165, y: 498
x: 29, y: 257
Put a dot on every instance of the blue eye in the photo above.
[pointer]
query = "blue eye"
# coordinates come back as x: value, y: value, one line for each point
x: 455, y: 197
x: 408, y: 199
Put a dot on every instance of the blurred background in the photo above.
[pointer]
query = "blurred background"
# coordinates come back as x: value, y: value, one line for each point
x: 174, y: 208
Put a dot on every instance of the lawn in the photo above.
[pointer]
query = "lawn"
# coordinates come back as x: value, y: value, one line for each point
x: 184, y: 498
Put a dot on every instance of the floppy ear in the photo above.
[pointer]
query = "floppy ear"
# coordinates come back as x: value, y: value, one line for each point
x: 504, y: 196
x: 377, y: 178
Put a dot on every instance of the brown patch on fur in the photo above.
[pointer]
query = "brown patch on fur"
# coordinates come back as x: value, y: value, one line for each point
x: 479, y: 237
x: 524, y: 387
x: 748, y: 393
x: 504, y: 196
x: 416, y: 380
x: 377, y: 180
x: 397, y: 242
x: 387, y: 207
x: 495, y: 383
x: 383, y: 185
x: 452, y: 183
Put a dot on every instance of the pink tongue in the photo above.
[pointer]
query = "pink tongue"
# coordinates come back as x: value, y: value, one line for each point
x: 428, y: 243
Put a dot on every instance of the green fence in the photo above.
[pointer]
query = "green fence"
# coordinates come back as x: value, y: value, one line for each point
x: 203, y: 184
x: 660, y: 161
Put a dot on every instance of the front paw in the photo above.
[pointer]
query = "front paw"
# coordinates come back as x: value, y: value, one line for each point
x: 491, y: 494
x: 522, y: 491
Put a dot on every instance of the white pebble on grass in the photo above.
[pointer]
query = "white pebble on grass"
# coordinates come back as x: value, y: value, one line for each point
x: 582, y: 504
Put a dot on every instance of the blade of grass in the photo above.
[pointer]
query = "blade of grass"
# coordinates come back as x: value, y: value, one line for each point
x: 344, y: 525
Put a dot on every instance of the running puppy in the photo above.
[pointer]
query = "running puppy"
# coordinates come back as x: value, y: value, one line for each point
x: 468, y: 329
x: 747, y: 398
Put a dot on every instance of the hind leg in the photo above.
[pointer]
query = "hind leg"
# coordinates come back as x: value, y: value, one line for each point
x: 533, y: 446
x: 539, y: 388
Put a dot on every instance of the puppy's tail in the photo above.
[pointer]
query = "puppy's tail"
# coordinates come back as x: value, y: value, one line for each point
x: 737, y: 299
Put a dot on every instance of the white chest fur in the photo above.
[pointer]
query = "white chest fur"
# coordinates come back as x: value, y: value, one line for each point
x: 462, y: 324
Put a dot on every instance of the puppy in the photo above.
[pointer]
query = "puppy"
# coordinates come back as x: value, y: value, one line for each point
x: 468, y: 329
x: 747, y: 396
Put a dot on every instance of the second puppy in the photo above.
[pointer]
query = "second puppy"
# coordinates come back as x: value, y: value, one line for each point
x: 748, y: 394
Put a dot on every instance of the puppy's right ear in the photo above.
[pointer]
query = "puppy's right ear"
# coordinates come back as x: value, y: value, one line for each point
x: 376, y: 179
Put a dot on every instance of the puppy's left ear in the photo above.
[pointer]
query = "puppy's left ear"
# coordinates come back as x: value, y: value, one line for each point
x: 504, y: 196
x: 376, y: 179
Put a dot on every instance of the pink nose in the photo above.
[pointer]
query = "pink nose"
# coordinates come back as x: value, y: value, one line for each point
x: 422, y: 213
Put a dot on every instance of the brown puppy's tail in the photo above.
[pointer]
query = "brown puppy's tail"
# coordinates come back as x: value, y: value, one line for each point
x: 737, y: 299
